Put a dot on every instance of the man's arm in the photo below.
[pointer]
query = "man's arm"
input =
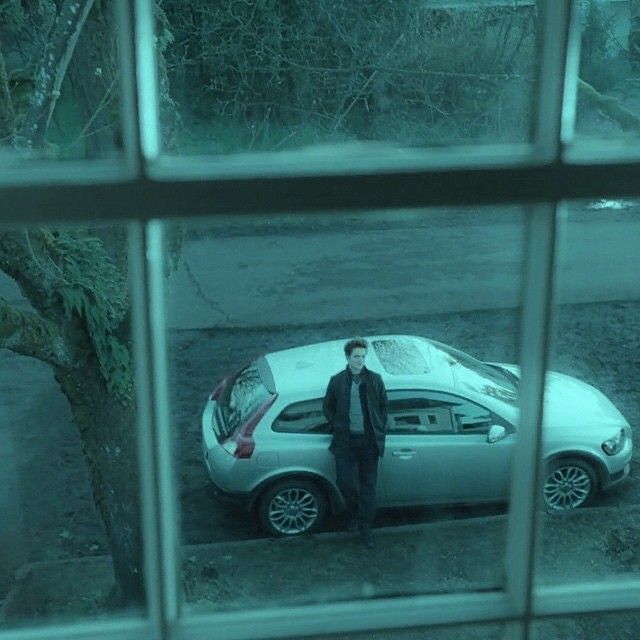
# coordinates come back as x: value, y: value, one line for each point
x: 329, y: 403
x: 384, y: 404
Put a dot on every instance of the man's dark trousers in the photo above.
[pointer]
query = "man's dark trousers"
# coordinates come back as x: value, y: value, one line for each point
x: 357, y: 474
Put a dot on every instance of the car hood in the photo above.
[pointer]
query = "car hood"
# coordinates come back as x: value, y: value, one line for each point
x: 569, y: 402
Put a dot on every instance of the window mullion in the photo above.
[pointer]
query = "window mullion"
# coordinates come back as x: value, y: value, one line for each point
x: 159, y: 513
x: 557, y: 22
x: 554, y: 107
x: 534, y: 332
x: 139, y: 87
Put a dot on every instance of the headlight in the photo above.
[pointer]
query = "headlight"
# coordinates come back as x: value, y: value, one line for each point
x: 614, y: 445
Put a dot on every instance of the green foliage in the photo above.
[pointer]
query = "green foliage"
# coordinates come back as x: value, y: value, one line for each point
x: 94, y: 290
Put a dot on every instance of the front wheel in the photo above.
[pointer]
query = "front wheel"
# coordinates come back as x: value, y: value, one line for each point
x: 568, y: 485
x: 291, y: 508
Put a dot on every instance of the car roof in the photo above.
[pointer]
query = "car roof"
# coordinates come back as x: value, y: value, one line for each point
x: 403, y: 361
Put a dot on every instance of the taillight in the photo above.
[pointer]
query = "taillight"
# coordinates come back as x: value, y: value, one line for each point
x: 241, y: 444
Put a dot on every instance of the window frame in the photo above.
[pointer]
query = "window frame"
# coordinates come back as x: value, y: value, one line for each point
x: 144, y: 187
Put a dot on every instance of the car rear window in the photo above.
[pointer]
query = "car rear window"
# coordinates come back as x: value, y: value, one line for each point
x: 242, y: 397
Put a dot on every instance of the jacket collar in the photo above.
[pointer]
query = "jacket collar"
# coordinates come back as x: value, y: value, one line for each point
x: 364, y: 373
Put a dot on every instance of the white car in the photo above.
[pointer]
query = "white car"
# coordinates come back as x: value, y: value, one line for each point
x: 453, y: 423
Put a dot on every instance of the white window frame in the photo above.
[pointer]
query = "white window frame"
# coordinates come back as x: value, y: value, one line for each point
x: 145, y: 187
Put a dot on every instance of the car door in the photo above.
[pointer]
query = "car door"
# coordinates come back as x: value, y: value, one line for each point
x: 437, y: 451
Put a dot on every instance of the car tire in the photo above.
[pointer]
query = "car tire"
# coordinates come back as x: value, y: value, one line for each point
x: 568, y: 484
x: 292, y: 508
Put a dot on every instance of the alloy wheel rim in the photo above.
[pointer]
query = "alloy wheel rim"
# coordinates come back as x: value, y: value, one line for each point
x: 567, y: 488
x: 293, y: 511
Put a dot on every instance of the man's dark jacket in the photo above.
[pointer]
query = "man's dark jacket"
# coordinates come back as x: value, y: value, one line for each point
x: 373, y: 398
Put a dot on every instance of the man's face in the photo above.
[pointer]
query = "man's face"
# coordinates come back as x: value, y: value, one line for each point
x: 356, y: 359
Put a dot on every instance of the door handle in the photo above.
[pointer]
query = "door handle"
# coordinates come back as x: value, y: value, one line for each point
x: 403, y: 452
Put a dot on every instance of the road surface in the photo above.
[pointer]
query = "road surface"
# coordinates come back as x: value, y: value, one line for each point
x: 355, y: 273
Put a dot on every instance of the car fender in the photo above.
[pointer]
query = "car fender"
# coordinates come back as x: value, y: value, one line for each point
x: 598, y: 466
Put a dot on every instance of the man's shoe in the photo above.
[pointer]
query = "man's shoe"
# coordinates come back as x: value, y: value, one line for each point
x: 366, y: 537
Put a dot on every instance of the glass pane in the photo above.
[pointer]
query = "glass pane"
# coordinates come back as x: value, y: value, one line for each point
x: 592, y: 405
x: 272, y: 76
x: 58, y: 90
x: 621, y: 625
x: 259, y: 310
x: 609, y: 74
x: 70, y: 537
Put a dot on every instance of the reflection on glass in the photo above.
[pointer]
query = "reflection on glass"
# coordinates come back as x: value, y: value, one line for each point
x: 70, y: 537
x: 601, y: 626
x: 592, y: 405
x: 609, y: 73
x: 273, y: 76
x: 259, y: 311
x: 58, y: 90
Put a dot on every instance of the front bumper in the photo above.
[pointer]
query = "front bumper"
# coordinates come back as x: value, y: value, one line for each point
x: 615, y: 478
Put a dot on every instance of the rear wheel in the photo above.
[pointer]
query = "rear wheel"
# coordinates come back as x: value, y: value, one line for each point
x: 568, y: 485
x: 291, y: 508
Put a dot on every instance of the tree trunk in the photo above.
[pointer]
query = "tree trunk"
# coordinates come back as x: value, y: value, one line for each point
x: 52, y: 71
x: 108, y: 432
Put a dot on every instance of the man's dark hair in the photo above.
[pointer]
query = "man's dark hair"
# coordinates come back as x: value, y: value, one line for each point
x: 356, y: 343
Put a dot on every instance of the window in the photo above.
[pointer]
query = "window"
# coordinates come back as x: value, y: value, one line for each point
x: 293, y: 162
x: 302, y: 417
x: 418, y: 414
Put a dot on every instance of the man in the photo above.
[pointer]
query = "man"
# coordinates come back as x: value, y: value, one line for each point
x: 355, y: 406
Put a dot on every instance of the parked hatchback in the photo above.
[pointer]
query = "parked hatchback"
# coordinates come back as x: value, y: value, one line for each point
x: 451, y: 433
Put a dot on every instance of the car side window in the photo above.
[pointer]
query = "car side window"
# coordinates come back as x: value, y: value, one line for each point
x: 415, y: 413
x: 302, y: 417
x: 426, y: 412
x: 466, y: 416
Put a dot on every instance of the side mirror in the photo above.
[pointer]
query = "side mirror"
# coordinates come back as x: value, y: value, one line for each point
x: 496, y: 433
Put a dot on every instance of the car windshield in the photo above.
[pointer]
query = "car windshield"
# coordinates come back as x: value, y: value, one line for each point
x: 493, y: 381
x: 242, y: 397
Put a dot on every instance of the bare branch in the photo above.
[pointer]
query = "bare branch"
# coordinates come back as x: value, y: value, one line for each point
x: 28, y: 334
x: 610, y: 106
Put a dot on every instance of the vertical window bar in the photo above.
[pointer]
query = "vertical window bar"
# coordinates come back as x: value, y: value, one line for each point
x: 139, y: 87
x: 145, y: 413
x: 571, y: 77
x: 534, y: 337
x: 558, y: 19
x: 147, y: 79
x: 158, y: 484
x: 556, y: 23
x: 167, y: 501
x: 128, y: 95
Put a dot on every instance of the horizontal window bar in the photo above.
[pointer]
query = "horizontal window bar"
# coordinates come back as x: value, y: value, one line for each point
x: 347, y: 158
x: 349, y: 616
x: 583, y: 151
x: 116, y: 629
x: 26, y: 174
x: 613, y: 594
x: 146, y: 199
